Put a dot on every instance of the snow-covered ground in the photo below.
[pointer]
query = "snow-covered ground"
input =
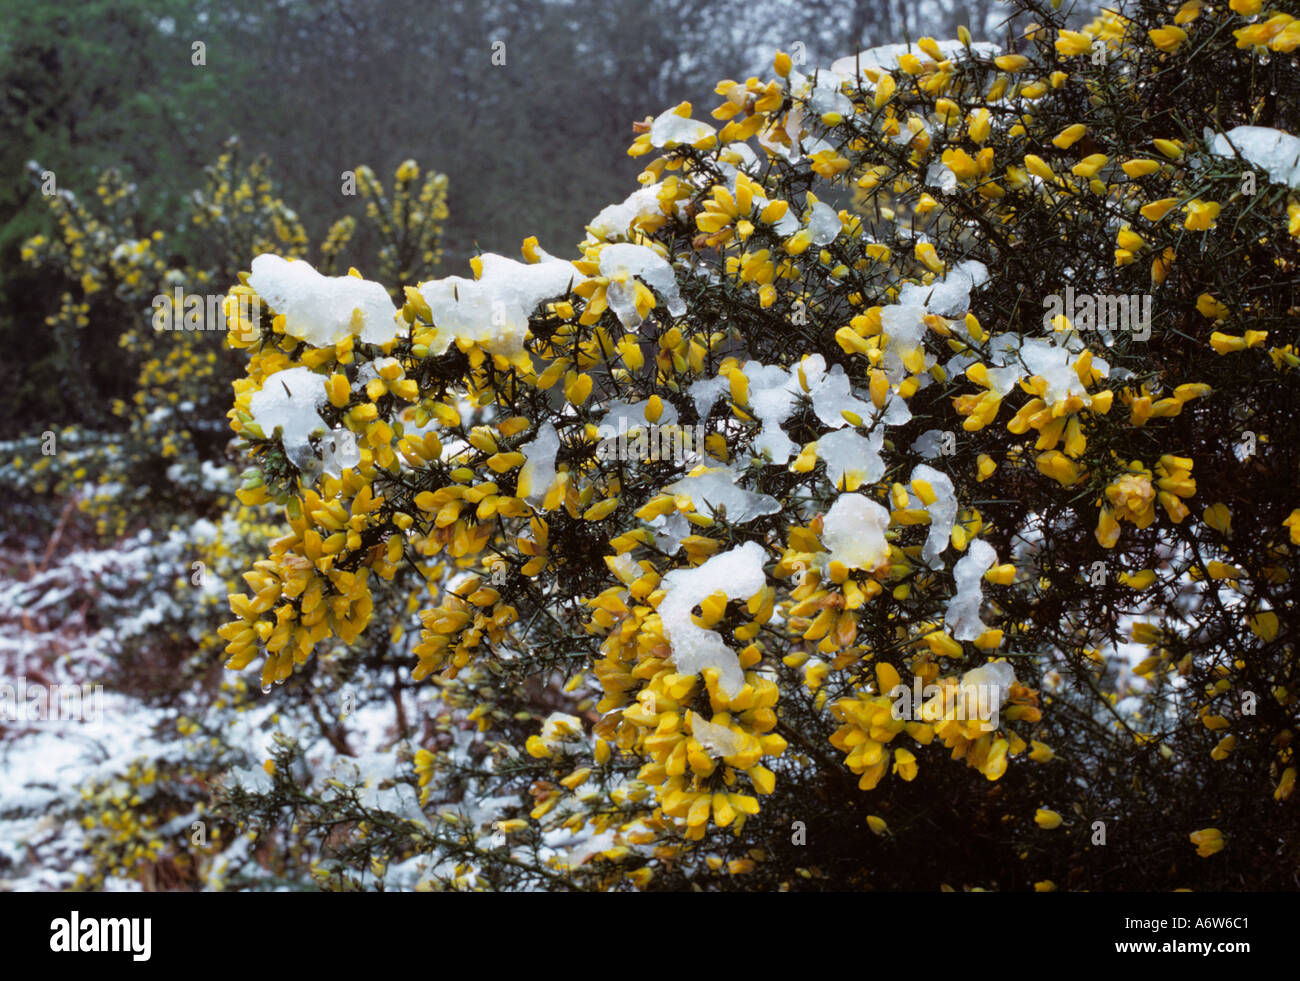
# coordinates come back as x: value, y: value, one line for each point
x: 46, y: 640
x: 63, y: 622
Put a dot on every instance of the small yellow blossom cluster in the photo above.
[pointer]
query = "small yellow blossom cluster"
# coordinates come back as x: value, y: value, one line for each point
x: 954, y: 714
x: 1133, y: 495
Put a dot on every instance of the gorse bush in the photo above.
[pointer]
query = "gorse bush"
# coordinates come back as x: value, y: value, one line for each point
x: 993, y: 351
x: 896, y: 490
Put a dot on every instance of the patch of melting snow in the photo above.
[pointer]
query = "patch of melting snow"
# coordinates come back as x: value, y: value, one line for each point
x: 323, y: 310
x: 737, y: 573
x: 1277, y: 152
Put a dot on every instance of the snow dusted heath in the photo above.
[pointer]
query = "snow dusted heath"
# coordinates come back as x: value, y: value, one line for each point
x: 815, y: 553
